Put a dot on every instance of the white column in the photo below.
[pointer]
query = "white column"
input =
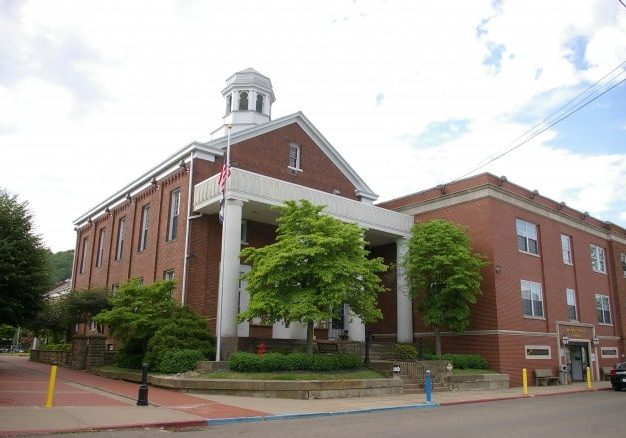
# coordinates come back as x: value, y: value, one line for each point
x: 404, y: 306
x: 230, y: 275
x: 356, y: 328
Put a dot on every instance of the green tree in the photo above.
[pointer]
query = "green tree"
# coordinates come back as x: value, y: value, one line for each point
x: 60, y: 265
x: 443, y: 274
x: 137, y: 311
x: 81, y: 306
x: 24, y: 270
x: 317, y: 264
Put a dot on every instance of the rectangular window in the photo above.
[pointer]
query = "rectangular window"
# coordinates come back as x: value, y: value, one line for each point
x: 598, y: 263
x: 172, y: 225
x: 603, y: 308
x: 572, y: 312
x: 294, y: 156
x: 609, y: 352
x: 527, y: 236
x: 114, y: 288
x: 537, y: 351
x: 168, y: 275
x: 121, y: 231
x: 82, y: 256
x: 566, y: 247
x: 532, y: 299
x: 622, y: 258
x: 143, y: 235
x: 100, y: 253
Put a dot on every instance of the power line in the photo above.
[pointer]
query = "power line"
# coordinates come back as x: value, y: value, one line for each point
x: 590, y: 94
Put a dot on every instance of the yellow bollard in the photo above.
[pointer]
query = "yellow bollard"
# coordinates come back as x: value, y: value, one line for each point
x: 524, y: 382
x: 53, y: 377
x: 588, y: 378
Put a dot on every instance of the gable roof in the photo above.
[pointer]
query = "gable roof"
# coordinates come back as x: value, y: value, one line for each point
x: 362, y: 189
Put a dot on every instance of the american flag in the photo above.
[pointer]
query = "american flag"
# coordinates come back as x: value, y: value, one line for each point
x: 222, y: 184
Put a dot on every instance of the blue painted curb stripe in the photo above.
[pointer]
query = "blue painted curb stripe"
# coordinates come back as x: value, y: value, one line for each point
x: 220, y: 421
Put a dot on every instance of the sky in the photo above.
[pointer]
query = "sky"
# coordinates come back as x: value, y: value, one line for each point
x: 411, y: 93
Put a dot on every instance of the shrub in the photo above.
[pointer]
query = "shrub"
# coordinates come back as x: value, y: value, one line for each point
x: 249, y: 362
x: 408, y: 349
x: 461, y: 361
x: 130, y: 354
x: 185, y: 331
x: 179, y: 361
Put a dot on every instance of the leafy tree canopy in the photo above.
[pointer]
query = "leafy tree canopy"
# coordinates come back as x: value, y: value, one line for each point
x: 60, y: 265
x: 317, y: 264
x: 24, y: 270
x: 443, y: 274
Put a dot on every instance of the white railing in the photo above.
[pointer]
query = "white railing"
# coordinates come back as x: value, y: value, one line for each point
x: 252, y: 186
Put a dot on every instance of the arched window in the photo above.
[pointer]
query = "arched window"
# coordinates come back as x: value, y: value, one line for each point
x: 243, y: 100
x: 229, y: 103
x: 259, y: 103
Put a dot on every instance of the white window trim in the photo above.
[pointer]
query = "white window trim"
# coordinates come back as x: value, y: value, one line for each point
x: 568, y: 304
x: 244, y: 232
x: 525, y: 236
x: 101, y: 243
x: 121, y: 237
x: 543, y: 311
x: 623, y: 262
x: 603, y: 354
x: 568, y: 251
x: 537, y: 347
x: 145, y: 224
x: 298, y: 149
x: 166, y: 272
x: 596, y: 250
x: 608, y: 302
x: 174, y: 213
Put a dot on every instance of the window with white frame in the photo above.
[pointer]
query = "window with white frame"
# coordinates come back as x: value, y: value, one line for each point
x: 598, y: 262
x: 172, y: 225
x: 527, y: 236
x: 168, y: 275
x: 572, y: 312
x: 81, y: 269
x: 566, y: 248
x: 610, y: 352
x: 294, y: 156
x: 532, y: 299
x: 622, y: 258
x: 537, y: 351
x: 145, y: 222
x: 100, y: 253
x: 603, y: 309
x: 259, y: 103
x: 229, y: 104
x: 114, y: 288
x: 121, y: 231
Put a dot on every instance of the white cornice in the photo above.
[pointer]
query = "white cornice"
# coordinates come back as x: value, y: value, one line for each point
x: 201, y: 150
x: 489, y: 191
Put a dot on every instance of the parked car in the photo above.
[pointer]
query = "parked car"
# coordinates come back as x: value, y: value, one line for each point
x: 618, y: 376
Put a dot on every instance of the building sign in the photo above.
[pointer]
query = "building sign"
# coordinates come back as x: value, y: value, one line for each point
x: 576, y: 332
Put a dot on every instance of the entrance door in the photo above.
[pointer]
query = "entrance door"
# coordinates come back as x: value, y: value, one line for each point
x: 580, y: 361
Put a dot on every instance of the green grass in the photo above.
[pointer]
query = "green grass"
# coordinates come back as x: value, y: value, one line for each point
x: 470, y: 372
x: 294, y: 375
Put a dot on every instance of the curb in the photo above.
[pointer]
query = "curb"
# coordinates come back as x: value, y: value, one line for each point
x: 156, y: 425
x: 222, y: 421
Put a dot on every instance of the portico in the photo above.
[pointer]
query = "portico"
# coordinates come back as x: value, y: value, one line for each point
x: 250, y: 197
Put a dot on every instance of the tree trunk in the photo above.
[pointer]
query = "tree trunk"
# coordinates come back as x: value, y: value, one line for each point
x: 309, y: 337
x: 437, y: 341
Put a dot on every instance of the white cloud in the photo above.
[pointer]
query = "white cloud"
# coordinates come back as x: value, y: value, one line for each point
x: 105, y: 89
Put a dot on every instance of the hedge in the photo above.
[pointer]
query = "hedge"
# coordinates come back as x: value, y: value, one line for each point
x: 461, y: 361
x: 179, y: 361
x: 250, y: 362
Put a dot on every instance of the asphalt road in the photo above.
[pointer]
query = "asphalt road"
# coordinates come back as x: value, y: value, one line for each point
x: 597, y: 414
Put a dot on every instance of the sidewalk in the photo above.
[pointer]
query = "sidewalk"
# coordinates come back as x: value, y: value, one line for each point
x: 86, y: 402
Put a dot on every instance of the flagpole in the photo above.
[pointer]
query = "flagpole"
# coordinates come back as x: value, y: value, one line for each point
x: 220, y: 295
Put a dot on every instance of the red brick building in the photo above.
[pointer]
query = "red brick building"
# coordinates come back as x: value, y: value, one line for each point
x: 555, y: 290
x: 554, y: 293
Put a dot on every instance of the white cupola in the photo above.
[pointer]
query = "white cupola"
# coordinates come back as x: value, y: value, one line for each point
x: 248, y: 98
